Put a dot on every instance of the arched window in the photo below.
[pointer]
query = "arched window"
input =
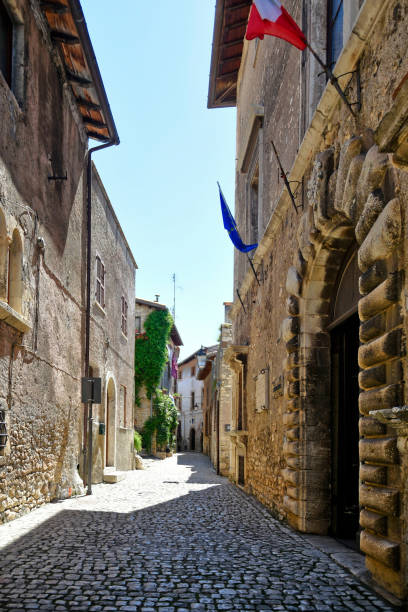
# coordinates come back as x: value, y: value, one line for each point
x: 3, y: 258
x: 15, y: 285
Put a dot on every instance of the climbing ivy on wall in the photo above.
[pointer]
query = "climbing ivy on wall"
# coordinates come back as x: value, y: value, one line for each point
x: 151, y: 352
x: 163, y: 423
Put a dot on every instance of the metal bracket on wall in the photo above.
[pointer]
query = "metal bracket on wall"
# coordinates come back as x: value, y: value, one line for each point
x: 240, y: 299
x: 335, y: 82
x: 284, y: 176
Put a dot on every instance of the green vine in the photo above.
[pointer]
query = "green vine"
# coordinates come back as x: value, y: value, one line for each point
x: 163, y: 423
x: 151, y: 352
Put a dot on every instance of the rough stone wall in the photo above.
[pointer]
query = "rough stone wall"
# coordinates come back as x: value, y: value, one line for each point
x: 276, y: 89
x: 352, y: 194
x: 112, y: 352
x: 41, y: 360
x: 42, y: 344
x: 225, y: 400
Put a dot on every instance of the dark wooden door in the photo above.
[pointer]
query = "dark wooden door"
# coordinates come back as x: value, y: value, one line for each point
x: 345, y: 435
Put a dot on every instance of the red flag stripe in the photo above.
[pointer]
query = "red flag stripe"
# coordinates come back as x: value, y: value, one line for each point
x: 284, y: 27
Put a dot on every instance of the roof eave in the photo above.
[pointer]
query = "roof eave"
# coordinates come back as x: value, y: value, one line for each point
x: 83, y: 34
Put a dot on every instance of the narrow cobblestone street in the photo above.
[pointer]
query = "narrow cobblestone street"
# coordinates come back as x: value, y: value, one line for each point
x: 173, y: 537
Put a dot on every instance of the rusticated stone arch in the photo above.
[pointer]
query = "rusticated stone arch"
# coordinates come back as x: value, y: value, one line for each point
x: 350, y: 199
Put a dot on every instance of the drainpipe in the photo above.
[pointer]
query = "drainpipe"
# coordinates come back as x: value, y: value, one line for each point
x: 88, y: 416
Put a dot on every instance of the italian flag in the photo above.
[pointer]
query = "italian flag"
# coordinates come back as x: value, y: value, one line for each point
x: 269, y: 17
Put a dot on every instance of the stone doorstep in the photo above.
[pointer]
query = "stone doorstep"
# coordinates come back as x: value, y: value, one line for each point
x: 350, y: 560
x: 111, y: 475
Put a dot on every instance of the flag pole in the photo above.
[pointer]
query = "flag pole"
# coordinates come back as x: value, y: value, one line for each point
x: 285, y: 178
x: 333, y: 80
x: 253, y: 269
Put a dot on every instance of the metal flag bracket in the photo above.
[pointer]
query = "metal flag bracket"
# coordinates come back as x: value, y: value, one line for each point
x: 292, y: 195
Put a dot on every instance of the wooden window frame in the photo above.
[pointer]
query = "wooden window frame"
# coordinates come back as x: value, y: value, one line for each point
x: 124, y: 313
x: 138, y: 324
x: 122, y: 423
x: 331, y: 21
x: 100, y: 282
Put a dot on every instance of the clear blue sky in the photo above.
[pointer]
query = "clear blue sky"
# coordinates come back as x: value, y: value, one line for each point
x: 154, y: 58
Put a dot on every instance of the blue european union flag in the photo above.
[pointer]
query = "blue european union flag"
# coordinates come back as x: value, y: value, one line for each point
x: 231, y: 227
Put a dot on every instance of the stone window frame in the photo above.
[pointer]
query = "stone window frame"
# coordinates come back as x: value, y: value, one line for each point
x: 11, y: 276
x: 15, y: 81
x: 250, y: 163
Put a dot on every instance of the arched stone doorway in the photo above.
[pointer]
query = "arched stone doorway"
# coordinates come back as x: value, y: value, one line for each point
x: 344, y: 344
x: 110, y: 423
x: 192, y: 439
x: 351, y: 199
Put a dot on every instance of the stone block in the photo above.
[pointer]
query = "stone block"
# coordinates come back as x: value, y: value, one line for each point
x: 290, y: 328
x: 293, y: 282
x: 379, y: 498
x: 379, y: 450
x: 375, y: 275
x: 292, y: 389
x: 348, y: 151
x: 383, y: 238
x: 381, y: 349
x: 290, y: 476
x: 293, y: 405
x: 374, y: 327
x: 292, y: 305
x: 378, y: 399
x: 300, y: 263
x: 372, y: 208
x: 316, y: 307
x: 290, y: 448
x: 370, y: 427
x: 348, y: 205
x: 292, y: 345
x: 372, y: 377
x: 373, y: 521
x: 373, y: 473
x: 381, y: 298
x: 292, y: 434
x: 380, y: 549
x: 291, y: 505
x: 371, y: 177
x: 292, y: 360
x: 291, y: 419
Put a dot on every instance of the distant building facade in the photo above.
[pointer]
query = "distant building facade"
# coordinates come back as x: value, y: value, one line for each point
x: 168, y: 381
x: 219, y: 425
x: 190, y: 402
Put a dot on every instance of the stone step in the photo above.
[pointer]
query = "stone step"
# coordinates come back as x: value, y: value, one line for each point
x: 111, y: 475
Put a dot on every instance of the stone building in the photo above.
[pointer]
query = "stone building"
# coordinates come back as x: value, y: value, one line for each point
x: 169, y: 377
x: 112, y: 336
x: 190, y: 404
x: 319, y: 338
x: 219, y: 428
x: 52, y: 100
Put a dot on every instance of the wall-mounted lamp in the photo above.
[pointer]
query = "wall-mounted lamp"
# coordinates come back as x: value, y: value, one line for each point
x: 201, y: 357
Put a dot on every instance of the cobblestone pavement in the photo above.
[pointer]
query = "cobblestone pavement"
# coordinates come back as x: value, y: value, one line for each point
x: 174, y: 537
